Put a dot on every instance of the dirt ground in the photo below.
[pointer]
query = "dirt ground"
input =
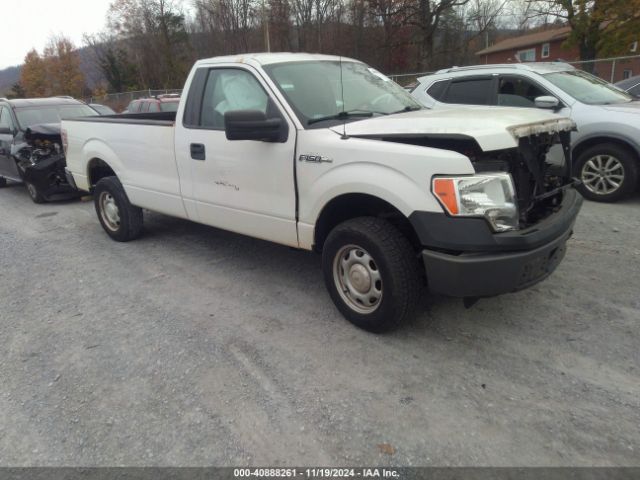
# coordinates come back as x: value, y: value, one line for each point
x: 195, y: 346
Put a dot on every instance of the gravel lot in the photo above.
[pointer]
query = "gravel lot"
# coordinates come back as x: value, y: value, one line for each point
x: 195, y: 346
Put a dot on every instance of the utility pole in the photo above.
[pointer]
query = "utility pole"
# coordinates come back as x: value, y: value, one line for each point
x: 265, y: 22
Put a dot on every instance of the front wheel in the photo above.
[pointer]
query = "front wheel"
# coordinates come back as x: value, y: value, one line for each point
x: 121, y: 220
x: 372, y: 273
x: 608, y: 172
x: 34, y: 193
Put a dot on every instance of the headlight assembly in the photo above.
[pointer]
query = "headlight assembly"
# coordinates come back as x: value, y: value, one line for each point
x: 489, y: 195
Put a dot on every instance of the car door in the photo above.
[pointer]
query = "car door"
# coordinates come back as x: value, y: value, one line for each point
x: 246, y: 186
x: 8, y: 167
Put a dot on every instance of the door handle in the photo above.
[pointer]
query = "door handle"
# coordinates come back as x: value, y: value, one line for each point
x: 197, y: 151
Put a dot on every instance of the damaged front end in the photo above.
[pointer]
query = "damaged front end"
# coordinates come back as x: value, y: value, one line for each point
x: 41, y: 162
x: 538, y: 183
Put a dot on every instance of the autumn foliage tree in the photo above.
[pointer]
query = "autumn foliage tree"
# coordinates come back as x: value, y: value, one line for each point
x: 33, y: 77
x: 56, y: 72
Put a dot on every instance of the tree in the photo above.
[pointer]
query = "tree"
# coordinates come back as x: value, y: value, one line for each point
x: 156, y: 38
x: 63, y: 68
x: 597, y: 26
x: 17, y: 91
x: 112, y: 60
x: 33, y: 77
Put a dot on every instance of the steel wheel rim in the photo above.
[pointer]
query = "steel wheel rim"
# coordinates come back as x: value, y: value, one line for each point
x: 357, y: 278
x: 602, y: 174
x: 109, y: 211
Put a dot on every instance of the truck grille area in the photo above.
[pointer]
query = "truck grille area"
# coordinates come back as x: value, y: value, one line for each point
x: 539, y: 185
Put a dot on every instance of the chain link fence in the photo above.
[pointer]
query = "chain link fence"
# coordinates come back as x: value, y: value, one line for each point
x: 119, y: 101
x: 611, y: 69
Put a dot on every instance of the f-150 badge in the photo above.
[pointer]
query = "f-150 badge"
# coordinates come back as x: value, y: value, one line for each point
x: 313, y: 158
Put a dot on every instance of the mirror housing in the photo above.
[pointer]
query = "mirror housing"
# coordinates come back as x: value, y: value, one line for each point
x: 254, y: 125
x: 547, y: 101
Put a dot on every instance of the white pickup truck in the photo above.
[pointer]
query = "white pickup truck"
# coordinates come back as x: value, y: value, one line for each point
x: 327, y: 154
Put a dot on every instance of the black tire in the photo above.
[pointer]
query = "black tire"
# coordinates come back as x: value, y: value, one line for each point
x: 628, y: 170
x: 34, y: 193
x: 107, y: 194
x: 395, y: 264
x: 3, y: 182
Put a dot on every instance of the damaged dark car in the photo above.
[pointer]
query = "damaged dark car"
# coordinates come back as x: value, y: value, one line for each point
x: 31, y: 146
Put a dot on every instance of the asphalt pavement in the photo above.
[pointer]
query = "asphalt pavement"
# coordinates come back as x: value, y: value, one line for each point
x: 195, y: 346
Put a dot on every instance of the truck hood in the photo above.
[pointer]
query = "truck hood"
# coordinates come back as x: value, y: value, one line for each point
x: 493, y: 128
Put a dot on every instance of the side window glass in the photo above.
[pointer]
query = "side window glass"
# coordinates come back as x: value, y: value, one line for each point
x: 437, y: 89
x: 473, y: 91
x: 144, y: 107
x: 5, y: 118
x: 227, y: 90
x: 515, y: 91
x: 154, y: 107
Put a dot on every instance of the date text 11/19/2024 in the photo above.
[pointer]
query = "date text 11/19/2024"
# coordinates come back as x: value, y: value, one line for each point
x: 315, y: 473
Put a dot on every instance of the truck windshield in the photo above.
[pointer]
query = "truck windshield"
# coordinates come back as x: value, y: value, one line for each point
x: 316, y: 89
x: 587, y: 88
x: 28, y: 116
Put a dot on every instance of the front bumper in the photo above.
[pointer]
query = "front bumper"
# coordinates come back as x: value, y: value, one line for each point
x: 505, y: 262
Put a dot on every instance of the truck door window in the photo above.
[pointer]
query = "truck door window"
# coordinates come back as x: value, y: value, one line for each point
x: 470, y: 91
x: 230, y: 89
x: 5, y: 118
x: 516, y: 91
x: 145, y: 107
x: 154, y: 107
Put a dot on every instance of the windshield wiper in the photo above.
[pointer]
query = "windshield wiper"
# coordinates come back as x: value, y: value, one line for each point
x: 407, y: 109
x: 342, y: 116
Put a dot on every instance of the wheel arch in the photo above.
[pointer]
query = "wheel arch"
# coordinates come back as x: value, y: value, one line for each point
x: 594, y: 140
x: 352, y: 205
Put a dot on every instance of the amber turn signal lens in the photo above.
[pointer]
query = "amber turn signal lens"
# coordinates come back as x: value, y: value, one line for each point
x: 445, y: 190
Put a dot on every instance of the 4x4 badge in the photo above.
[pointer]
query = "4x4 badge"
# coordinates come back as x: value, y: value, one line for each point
x: 314, y: 159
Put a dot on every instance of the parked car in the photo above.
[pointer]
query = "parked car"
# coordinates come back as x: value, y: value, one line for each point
x: 606, y: 146
x: 325, y: 153
x: 630, y: 85
x: 161, y: 103
x: 102, y: 109
x: 30, y: 144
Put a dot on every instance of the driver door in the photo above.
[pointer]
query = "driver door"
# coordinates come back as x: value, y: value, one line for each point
x: 245, y: 186
x: 8, y: 167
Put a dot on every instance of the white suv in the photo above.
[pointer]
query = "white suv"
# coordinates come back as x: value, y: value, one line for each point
x: 606, y: 147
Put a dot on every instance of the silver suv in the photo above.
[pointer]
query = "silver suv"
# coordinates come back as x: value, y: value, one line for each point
x: 606, y: 147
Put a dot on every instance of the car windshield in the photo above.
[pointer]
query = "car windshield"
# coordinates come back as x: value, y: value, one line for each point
x: 315, y: 90
x: 169, y: 106
x: 28, y: 116
x: 587, y: 88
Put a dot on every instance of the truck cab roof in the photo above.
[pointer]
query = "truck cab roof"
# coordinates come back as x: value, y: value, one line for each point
x: 270, y: 58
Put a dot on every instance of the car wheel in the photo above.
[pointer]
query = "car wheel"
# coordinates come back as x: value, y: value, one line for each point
x: 3, y: 182
x: 372, y: 273
x: 34, y: 193
x: 608, y: 172
x: 121, y: 220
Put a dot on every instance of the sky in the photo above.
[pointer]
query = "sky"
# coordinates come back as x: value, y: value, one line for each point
x: 28, y: 24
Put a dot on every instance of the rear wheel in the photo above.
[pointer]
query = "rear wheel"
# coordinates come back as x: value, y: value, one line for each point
x: 34, y: 193
x: 121, y: 220
x: 608, y: 172
x: 371, y: 273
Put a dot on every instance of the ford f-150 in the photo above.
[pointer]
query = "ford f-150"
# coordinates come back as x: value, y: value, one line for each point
x: 325, y: 153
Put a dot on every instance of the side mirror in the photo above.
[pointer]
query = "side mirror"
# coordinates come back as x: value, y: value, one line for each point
x: 254, y: 125
x: 547, y: 101
x: 6, y: 131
